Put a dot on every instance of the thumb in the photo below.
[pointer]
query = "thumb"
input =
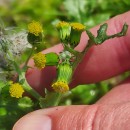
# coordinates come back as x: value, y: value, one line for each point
x: 94, y: 117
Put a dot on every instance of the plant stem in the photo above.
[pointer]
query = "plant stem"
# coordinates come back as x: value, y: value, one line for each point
x: 74, y: 52
x: 27, y: 87
x: 30, y: 54
x: 80, y: 56
x: 57, y: 101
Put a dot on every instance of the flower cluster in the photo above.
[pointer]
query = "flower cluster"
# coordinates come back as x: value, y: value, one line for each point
x: 13, y: 46
x: 70, y: 32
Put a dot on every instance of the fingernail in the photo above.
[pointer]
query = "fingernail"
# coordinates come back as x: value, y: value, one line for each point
x: 38, y: 122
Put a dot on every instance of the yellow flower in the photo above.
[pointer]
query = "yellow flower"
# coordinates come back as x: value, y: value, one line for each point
x: 39, y: 60
x: 16, y: 90
x: 76, y: 31
x: 77, y: 26
x: 60, y: 87
x: 35, y: 28
x: 62, y: 24
x: 64, y: 76
x: 64, y: 29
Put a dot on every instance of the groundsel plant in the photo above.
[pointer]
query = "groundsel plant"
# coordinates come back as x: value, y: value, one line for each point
x: 14, y: 44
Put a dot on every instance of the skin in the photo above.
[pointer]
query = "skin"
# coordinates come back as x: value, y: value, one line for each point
x: 111, y: 112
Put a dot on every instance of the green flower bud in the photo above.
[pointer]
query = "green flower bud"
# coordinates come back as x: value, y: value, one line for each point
x: 34, y: 32
x: 63, y: 79
x: 41, y: 60
x: 64, y: 29
x: 76, y: 31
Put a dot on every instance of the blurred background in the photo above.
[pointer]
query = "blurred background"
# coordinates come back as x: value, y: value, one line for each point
x: 88, y: 12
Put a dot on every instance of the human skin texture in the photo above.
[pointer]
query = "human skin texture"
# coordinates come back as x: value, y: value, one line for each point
x: 111, y: 112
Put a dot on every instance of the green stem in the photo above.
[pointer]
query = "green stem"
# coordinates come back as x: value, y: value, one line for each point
x: 30, y: 54
x: 66, y: 47
x: 80, y: 56
x: 57, y: 101
x: 21, y: 74
x: 27, y: 87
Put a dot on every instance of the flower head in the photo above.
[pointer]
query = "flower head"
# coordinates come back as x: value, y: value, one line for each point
x: 76, y: 30
x: 39, y: 60
x: 62, y: 24
x: 60, y: 87
x: 64, y: 77
x: 16, y: 90
x: 77, y: 26
x: 35, y: 28
x: 64, y: 29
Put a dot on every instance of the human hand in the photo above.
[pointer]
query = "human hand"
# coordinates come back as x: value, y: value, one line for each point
x: 111, y: 112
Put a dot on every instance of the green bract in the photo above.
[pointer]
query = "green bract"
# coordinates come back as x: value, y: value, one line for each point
x: 64, y: 72
x: 52, y: 59
x: 33, y: 39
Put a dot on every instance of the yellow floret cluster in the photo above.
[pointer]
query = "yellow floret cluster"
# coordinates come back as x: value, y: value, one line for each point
x: 77, y: 26
x: 39, y: 60
x: 60, y: 87
x: 62, y: 24
x: 35, y: 28
x: 16, y: 90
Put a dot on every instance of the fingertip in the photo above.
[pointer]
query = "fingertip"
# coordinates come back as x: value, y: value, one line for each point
x: 34, y: 122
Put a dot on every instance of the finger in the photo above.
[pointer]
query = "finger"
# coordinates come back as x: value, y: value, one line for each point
x: 106, y: 60
x: 96, y: 117
x: 101, y: 62
x: 119, y: 94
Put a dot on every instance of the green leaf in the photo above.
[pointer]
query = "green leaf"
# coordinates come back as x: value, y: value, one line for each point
x: 52, y: 58
x: 12, y: 109
x: 102, y: 35
x: 2, y: 84
x: 25, y: 103
x: 51, y: 99
x: 76, y: 9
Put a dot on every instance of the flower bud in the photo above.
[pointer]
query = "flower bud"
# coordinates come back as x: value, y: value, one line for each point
x: 63, y: 79
x: 76, y: 31
x: 34, y: 33
x: 64, y: 29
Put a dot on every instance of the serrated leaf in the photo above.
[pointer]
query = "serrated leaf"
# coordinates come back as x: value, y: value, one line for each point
x: 51, y: 99
x: 25, y: 102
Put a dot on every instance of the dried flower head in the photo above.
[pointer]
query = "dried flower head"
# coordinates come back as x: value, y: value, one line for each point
x: 18, y: 43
